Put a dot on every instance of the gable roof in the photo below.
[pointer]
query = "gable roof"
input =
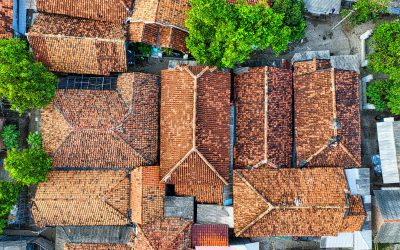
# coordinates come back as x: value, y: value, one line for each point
x: 195, y: 108
x: 164, y: 234
x: 297, y: 202
x: 110, y: 10
x: 91, y: 47
x: 388, y: 202
x: 210, y: 235
x: 263, y: 101
x: 6, y: 16
x: 82, y: 198
x: 328, y: 128
x: 104, y: 128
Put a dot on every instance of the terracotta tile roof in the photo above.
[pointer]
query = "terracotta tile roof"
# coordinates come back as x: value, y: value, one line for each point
x: 195, y: 108
x: 105, y: 128
x: 165, y: 234
x: 328, y: 128
x: 82, y: 198
x: 113, y: 11
x: 356, y: 215
x: 210, y: 235
x: 76, y: 45
x: 6, y: 15
x: 264, y: 117
x: 297, y: 202
x: 147, y: 200
x: 76, y: 246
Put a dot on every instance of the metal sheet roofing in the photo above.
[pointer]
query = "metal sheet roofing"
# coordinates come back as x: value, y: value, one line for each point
x: 389, y: 150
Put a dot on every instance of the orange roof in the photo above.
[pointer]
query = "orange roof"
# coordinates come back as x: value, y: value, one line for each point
x: 104, y: 128
x: 110, y: 10
x: 297, y: 202
x: 210, y: 235
x: 165, y: 234
x: 195, y: 109
x: 328, y: 128
x: 91, y: 47
x: 6, y: 15
x: 77, y: 246
x: 263, y: 101
x: 82, y: 198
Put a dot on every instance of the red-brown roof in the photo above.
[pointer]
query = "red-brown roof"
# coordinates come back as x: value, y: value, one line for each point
x: 296, y: 202
x: 104, y: 128
x: 76, y: 246
x: 76, y: 45
x: 195, y: 108
x: 110, y: 10
x: 165, y: 234
x: 328, y: 128
x: 263, y: 100
x: 6, y: 15
x: 210, y: 235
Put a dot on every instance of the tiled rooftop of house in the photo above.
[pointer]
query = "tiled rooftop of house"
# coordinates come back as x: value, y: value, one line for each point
x: 264, y: 117
x: 210, y: 235
x: 104, y: 128
x: 328, y: 128
x: 6, y: 16
x: 111, y: 10
x: 195, y: 108
x: 76, y: 45
x: 296, y: 202
x: 164, y: 234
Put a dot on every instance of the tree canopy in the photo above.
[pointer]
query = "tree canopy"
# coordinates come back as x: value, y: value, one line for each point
x: 28, y: 166
x: 25, y: 83
x: 224, y: 34
x: 9, y: 192
x: 10, y: 136
x: 367, y: 10
x: 293, y: 10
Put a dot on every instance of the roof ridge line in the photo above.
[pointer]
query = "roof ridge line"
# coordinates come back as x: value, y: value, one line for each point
x: 164, y: 179
x: 211, y: 166
x: 115, y: 209
x: 158, y: 23
x: 334, y: 108
x: 145, y: 237
x: 183, y: 227
x: 317, y: 153
x: 266, y: 127
x: 239, y: 174
x: 349, y: 154
x: 130, y: 146
x: 77, y: 37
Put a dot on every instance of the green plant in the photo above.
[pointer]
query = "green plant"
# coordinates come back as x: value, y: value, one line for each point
x: 294, y: 16
x: 377, y: 92
x: 367, y: 10
x: 9, y: 192
x: 25, y: 83
x: 167, y: 51
x: 28, y: 166
x: 144, y: 49
x: 10, y: 136
x: 223, y: 34
x: 35, y: 140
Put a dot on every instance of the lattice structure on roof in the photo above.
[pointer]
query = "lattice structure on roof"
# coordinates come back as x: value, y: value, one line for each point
x: 88, y: 82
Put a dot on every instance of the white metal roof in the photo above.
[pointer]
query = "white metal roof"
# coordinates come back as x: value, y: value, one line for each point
x: 389, y: 150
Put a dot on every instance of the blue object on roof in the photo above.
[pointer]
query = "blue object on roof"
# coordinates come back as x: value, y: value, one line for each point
x: 376, y: 160
x: 228, y: 202
x: 394, y: 11
x: 19, y: 17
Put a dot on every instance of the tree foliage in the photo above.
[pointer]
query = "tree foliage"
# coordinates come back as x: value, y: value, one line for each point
x: 9, y: 192
x: 386, y: 44
x: 224, y: 34
x: 28, y: 166
x: 367, y: 10
x: 35, y: 140
x: 294, y: 16
x: 23, y: 82
x: 10, y: 136
x: 377, y: 92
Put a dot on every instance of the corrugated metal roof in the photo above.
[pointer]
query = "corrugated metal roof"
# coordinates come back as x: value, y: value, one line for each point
x: 323, y: 7
x: 388, y: 233
x: 358, y: 180
x: 389, y: 150
x: 388, y: 202
x: 213, y: 214
x: 346, y: 62
x: 179, y: 207
x: 310, y: 55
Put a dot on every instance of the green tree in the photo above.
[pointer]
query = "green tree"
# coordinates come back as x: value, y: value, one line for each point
x: 9, y: 192
x: 393, y: 98
x: 386, y: 44
x: 367, y: 10
x: 28, y: 166
x: 293, y: 10
x: 35, y: 140
x: 10, y: 136
x: 23, y: 82
x: 377, y: 92
x: 224, y: 34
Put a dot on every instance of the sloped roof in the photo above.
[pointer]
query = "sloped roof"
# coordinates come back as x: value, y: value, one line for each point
x: 195, y: 108
x: 388, y: 202
x: 328, y: 127
x: 263, y: 100
x: 6, y: 16
x: 74, y: 246
x: 165, y: 234
x: 323, y: 7
x: 90, y: 47
x: 210, y: 235
x: 110, y: 10
x: 82, y: 198
x: 104, y: 128
x: 296, y: 202
x: 147, y: 195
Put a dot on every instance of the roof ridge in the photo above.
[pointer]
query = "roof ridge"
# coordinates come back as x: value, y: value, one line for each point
x: 113, y: 132
x: 77, y: 37
x: 183, y: 227
x: 349, y: 154
x: 106, y: 194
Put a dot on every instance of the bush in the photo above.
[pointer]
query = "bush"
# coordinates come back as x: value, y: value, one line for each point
x: 10, y: 136
x: 28, y: 166
x: 367, y: 10
x: 377, y: 92
x: 25, y: 83
x: 294, y: 16
x: 9, y: 192
x: 35, y: 140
